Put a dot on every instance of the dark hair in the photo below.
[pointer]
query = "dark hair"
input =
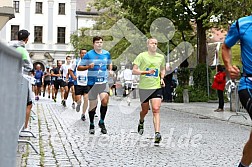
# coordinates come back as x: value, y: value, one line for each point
x: 83, y: 49
x: 219, y: 68
x: 68, y: 57
x: 23, y: 35
x: 97, y: 38
x: 114, y: 67
x: 128, y: 66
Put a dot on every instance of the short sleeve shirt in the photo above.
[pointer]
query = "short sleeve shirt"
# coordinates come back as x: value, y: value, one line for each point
x: 244, y: 35
x: 99, y: 73
x: 145, y: 62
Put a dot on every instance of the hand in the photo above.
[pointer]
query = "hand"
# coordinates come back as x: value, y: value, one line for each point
x: 91, y: 65
x: 168, y: 67
x: 151, y: 71
x: 75, y: 78
x: 162, y: 83
x: 234, y: 72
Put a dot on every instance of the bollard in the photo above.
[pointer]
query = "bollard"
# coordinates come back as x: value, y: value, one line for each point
x: 185, y: 96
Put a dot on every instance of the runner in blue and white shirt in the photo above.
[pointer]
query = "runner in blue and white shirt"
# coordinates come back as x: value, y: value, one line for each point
x: 96, y: 61
x: 80, y: 84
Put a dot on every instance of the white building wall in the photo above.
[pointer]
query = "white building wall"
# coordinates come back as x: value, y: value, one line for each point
x: 50, y: 20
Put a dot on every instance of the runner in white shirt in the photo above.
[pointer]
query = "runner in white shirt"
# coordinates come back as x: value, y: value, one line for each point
x: 65, y: 68
x: 127, y: 79
x: 80, y: 84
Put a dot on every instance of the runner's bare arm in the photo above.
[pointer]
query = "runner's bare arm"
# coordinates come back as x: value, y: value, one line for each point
x: 72, y: 74
x: 83, y: 68
x: 226, y: 56
x: 137, y: 71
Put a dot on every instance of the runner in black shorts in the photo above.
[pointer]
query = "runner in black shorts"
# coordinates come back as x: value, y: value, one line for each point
x: 47, y: 81
x: 80, y: 85
x: 58, y: 83
x: 151, y: 66
x: 241, y: 31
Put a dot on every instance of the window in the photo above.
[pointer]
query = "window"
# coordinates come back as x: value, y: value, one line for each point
x: 16, y: 6
x: 38, y: 7
x: 38, y: 34
x: 14, y: 32
x: 61, y: 34
x: 61, y: 8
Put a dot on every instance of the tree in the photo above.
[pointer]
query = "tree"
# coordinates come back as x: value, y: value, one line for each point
x: 204, y: 14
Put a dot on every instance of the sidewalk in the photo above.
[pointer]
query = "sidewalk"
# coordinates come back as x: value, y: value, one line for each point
x: 205, y: 110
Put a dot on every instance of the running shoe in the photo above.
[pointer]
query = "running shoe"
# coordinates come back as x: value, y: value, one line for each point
x: 91, y: 129
x: 103, y: 128
x: 78, y: 108
x: 73, y: 105
x: 83, y: 118
x: 63, y: 103
x: 158, y: 138
x: 140, y: 128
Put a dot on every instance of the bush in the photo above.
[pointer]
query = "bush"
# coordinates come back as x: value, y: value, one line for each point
x: 183, y: 76
x: 195, y: 95
x: 197, y: 92
x: 200, y: 77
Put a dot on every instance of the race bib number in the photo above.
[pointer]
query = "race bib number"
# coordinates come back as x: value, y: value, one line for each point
x: 99, y: 80
x: 154, y: 75
x: 82, y: 80
x: 37, y: 80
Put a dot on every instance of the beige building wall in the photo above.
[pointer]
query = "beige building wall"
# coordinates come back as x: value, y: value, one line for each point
x: 8, y: 3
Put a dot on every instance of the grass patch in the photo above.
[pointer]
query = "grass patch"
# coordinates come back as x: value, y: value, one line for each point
x: 236, y: 55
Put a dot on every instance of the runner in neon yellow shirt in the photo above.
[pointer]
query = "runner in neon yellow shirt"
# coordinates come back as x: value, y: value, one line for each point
x: 150, y: 66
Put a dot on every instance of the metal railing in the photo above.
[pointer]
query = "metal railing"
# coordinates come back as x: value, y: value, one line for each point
x: 13, y: 100
x: 239, y: 109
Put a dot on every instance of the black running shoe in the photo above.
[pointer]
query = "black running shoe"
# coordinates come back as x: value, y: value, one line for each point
x: 158, y: 138
x: 91, y: 129
x: 140, y: 128
x: 83, y: 118
x: 103, y: 128
x: 63, y: 103
x: 44, y: 94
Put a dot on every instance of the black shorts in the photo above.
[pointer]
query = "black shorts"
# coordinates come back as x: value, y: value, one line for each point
x: 38, y: 83
x: 80, y: 90
x: 59, y: 83
x: 47, y: 83
x: 70, y: 84
x: 147, y: 94
x: 245, y: 96
x: 96, y: 89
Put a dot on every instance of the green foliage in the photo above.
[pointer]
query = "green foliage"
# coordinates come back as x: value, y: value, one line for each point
x: 80, y: 41
x: 200, y: 77
x: 195, y: 95
x: 236, y: 55
x: 183, y: 76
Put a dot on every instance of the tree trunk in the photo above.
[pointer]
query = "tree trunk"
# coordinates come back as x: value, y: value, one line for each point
x: 201, y: 32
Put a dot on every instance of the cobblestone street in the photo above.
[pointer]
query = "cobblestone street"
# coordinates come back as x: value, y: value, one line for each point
x: 188, y: 140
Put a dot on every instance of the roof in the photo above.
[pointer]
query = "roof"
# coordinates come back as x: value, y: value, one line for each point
x: 83, y: 5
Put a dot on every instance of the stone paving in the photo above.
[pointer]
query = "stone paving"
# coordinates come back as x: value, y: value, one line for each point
x: 189, y: 139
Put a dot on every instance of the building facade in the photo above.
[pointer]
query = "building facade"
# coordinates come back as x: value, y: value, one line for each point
x: 6, y: 12
x: 50, y: 23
